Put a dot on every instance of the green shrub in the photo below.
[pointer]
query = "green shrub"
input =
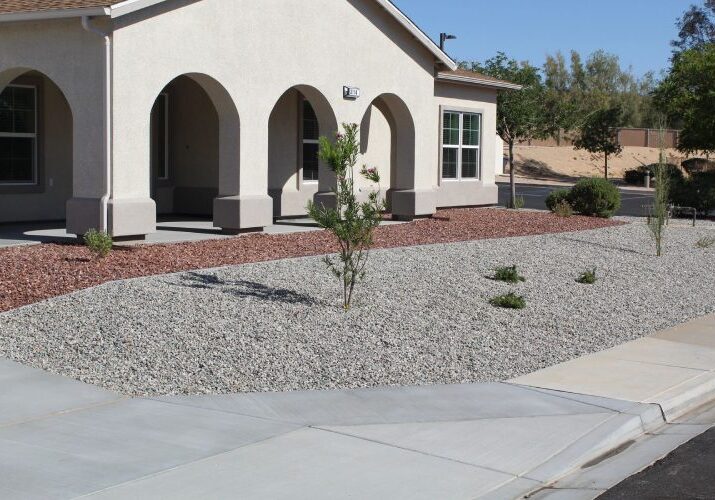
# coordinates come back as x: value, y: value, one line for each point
x: 98, y: 242
x: 705, y: 242
x: 588, y: 277
x: 508, y: 274
x: 563, y: 209
x: 698, y: 192
x: 595, y: 196
x: 556, y: 197
x: 697, y: 165
x: 509, y: 301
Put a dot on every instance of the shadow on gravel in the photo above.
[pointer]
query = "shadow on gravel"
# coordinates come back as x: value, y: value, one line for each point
x: 243, y: 288
x: 601, y: 245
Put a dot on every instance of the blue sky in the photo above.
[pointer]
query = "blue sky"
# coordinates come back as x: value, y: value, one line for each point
x: 529, y: 29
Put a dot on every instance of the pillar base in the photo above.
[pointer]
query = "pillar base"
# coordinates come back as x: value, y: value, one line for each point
x: 326, y: 198
x: 131, y: 218
x: 408, y: 204
x: 239, y: 213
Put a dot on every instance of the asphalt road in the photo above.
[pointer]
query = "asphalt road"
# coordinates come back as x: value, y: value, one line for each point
x: 535, y: 197
x: 687, y: 473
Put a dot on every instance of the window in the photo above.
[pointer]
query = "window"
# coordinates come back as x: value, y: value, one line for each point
x: 461, y: 142
x: 310, y: 143
x: 18, y: 135
x: 160, y: 133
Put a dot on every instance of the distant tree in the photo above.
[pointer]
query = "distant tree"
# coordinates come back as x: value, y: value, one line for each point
x: 696, y: 28
x: 599, y: 134
x: 687, y: 94
x: 520, y: 114
x: 560, y: 110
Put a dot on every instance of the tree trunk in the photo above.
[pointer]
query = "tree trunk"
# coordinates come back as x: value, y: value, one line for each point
x: 512, y: 181
x: 606, y: 156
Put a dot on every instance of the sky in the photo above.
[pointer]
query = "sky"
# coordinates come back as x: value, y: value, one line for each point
x: 638, y: 31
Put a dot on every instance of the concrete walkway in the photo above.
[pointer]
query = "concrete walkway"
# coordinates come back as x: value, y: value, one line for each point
x: 65, y: 439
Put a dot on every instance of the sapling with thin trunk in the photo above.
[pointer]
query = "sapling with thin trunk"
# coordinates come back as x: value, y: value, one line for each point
x: 351, y: 222
x: 659, y: 213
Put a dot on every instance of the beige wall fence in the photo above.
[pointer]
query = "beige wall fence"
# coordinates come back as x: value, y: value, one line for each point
x: 633, y: 137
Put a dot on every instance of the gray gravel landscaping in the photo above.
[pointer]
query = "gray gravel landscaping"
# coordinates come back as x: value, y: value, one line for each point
x: 422, y: 317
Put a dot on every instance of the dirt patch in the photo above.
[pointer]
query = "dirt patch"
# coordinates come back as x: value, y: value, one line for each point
x: 35, y: 273
x: 567, y: 164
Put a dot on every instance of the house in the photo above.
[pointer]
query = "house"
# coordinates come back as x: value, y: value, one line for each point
x: 114, y: 112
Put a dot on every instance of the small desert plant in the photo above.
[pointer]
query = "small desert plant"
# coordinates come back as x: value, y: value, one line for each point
x: 98, y: 242
x: 705, y: 242
x: 508, y: 274
x: 351, y: 222
x: 556, y: 197
x: 519, y: 203
x: 563, y: 209
x: 661, y: 202
x: 509, y: 301
x: 595, y: 196
x: 588, y: 277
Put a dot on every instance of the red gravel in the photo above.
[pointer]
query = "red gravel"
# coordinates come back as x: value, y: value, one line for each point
x: 34, y: 273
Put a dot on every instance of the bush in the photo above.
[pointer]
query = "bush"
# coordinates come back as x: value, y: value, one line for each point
x: 509, y: 301
x: 556, y: 197
x: 98, y: 242
x: 595, y: 196
x: 587, y: 277
x: 508, y: 274
x: 698, y: 192
x: 698, y: 165
x: 563, y: 209
x: 636, y: 176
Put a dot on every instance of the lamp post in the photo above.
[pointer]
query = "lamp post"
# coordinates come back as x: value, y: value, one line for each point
x: 443, y: 37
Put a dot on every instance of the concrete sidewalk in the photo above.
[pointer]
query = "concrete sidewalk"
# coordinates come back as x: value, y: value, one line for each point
x: 64, y: 439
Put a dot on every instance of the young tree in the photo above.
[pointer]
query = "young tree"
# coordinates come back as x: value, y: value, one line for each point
x: 687, y: 95
x: 520, y: 113
x: 352, y: 222
x: 658, y: 217
x: 598, y: 134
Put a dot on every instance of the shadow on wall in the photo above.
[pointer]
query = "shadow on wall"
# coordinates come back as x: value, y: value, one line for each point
x: 244, y: 289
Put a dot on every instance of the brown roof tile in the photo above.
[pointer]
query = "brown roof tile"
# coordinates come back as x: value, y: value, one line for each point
x: 14, y: 6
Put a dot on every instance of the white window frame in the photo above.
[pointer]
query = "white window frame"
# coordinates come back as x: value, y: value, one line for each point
x: 304, y: 141
x: 33, y: 136
x: 461, y: 146
x: 167, y: 174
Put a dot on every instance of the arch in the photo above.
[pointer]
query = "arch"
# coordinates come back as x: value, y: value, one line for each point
x: 387, y: 141
x: 195, y: 145
x: 36, y: 147
x: 292, y: 141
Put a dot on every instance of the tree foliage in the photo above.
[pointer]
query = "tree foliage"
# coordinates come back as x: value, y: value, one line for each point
x: 598, y: 134
x: 687, y: 94
x: 351, y: 222
x: 696, y: 28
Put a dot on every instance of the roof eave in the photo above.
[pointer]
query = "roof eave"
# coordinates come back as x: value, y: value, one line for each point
x: 420, y: 35
x: 42, y: 15
x: 478, y: 81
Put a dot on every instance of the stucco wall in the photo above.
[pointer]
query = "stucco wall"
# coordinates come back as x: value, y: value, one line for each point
x: 469, y: 98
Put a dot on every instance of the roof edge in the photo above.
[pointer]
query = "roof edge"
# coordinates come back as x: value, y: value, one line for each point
x: 39, y: 15
x: 447, y: 77
x: 420, y: 35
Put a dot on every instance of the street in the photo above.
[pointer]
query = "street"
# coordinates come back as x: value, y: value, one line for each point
x: 535, y: 196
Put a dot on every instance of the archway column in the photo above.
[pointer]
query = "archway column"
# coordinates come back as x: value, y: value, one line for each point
x: 243, y: 202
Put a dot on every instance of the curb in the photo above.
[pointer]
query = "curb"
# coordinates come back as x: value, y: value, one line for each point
x: 607, y: 439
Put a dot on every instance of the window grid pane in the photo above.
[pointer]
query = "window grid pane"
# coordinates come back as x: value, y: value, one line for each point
x: 469, y: 162
x: 18, y: 124
x: 470, y: 134
x: 451, y: 129
x: 310, y: 161
x: 449, y: 163
x: 311, y: 130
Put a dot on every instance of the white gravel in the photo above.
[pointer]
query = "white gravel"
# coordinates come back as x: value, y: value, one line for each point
x: 422, y: 317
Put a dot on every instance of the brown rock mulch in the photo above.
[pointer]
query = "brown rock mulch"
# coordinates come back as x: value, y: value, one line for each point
x: 35, y: 273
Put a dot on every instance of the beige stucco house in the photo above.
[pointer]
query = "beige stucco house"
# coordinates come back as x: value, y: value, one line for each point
x: 115, y: 112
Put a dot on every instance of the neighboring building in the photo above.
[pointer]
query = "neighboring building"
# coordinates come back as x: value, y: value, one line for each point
x: 114, y: 112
